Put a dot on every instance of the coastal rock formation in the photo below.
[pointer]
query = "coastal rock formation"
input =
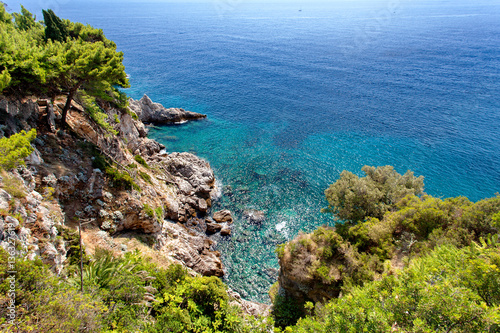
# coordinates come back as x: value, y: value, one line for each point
x: 177, y: 186
x: 150, y: 112
x: 252, y: 308
x: 191, y: 250
x: 223, y: 216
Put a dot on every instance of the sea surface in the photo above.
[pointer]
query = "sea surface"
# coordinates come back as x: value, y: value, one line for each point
x: 297, y: 92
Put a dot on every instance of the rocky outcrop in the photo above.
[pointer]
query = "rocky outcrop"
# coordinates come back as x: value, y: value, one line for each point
x: 252, y: 308
x: 155, y: 113
x: 30, y: 221
x: 223, y: 216
x: 179, y: 187
x: 313, y: 267
x: 190, y: 249
x: 17, y: 115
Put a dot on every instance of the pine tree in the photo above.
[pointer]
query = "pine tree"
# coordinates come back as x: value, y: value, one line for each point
x: 91, y: 66
x: 55, y: 29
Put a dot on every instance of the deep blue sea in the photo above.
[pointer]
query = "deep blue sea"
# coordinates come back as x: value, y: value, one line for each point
x: 297, y: 92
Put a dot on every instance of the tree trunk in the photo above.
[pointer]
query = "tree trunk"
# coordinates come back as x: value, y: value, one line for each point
x: 71, y: 95
x: 81, y: 254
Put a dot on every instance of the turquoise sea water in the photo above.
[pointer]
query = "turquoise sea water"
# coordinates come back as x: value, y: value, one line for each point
x: 297, y: 92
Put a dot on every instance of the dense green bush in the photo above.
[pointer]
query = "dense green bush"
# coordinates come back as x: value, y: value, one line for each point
x: 121, y: 294
x: 44, y: 302
x: 353, y: 199
x: 449, y: 290
x: 139, y: 159
x: 15, y: 149
x: 121, y: 179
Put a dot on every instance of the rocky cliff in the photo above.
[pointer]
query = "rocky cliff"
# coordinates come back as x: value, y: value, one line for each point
x: 174, y: 191
x: 112, y: 183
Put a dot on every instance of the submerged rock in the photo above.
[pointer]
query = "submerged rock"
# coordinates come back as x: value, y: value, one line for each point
x: 254, y: 216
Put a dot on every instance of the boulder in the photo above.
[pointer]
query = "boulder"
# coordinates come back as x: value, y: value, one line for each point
x: 223, y: 216
x: 226, y: 231
x: 213, y: 228
x: 191, y: 250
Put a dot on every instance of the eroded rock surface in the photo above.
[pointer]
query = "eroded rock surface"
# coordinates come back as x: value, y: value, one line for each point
x: 150, y: 112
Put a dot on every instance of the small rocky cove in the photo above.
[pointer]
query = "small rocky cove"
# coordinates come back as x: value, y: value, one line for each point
x: 167, y: 213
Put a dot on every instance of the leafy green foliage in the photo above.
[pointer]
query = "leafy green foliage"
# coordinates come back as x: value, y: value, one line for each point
x: 121, y: 294
x: 4, y: 79
x: 139, y: 159
x: 55, y: 29
x: 15, y: 149
x: 97, y: 114
x: 121, y: 179
x: 352, y: 198
x: 450, y: 290
x: 4, y: 16
x: 44, y: 303
x: 25, y: 20
x: 365, y: 247
x: 63, y: 57
x: 286, y: 310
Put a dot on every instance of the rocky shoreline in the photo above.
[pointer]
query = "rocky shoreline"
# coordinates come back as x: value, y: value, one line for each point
x: 172, y: 201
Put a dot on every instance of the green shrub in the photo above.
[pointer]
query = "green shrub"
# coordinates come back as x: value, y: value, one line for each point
x: 121, y: 179
x: 15, y: 149
x: 12, y: 185
x: 139, y: 159
x: 286, y: 311
x: 45, y: 302
x: 146, y: 177
x: 352, y: 198
x: 450, y: 290
x: 148, y: 210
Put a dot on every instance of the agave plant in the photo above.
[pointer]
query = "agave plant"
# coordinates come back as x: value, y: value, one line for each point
x: 104, y: 268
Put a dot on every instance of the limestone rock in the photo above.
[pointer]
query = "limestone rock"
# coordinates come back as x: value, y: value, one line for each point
x: 252, y: 308
x: 226, y: 231
x: 35, y: 158
x: 213, y: 228
x: 150, y: 112
x: 223, y: 216
x: 191, y: 250
x: 4, y: 199
x: 18, y: 115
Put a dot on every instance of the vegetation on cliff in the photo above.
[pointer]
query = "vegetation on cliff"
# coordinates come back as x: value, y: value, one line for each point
x: 124, y: 294
x: 59, y: 57
x: 398, y: 261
